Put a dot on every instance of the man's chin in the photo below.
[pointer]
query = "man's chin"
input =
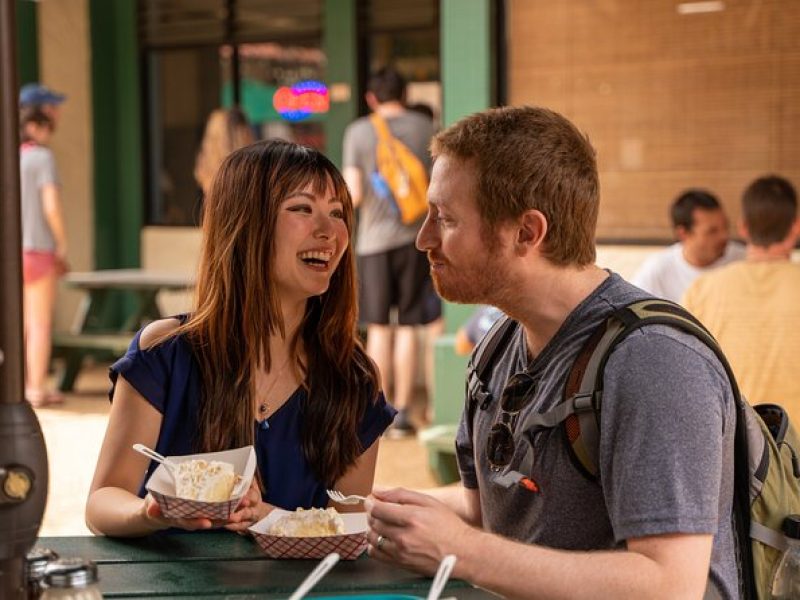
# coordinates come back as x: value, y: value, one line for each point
x: 454, y: 293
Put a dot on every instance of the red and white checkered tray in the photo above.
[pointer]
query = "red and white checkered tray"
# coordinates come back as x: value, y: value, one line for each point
x: 350, y: 545
x: 162, y: 486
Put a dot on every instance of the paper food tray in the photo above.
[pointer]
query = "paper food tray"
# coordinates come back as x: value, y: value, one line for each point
x: 350, y: 545
x: 162, y: 486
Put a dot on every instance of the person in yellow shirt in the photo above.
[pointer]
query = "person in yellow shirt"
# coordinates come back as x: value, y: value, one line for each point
x: 752, y: 306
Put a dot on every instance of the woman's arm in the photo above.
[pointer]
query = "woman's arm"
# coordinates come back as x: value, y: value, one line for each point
x: 358, y: 479
x: 113, y: 507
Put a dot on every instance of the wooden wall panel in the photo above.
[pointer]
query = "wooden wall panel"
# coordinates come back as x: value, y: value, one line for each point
x: 669, y: 101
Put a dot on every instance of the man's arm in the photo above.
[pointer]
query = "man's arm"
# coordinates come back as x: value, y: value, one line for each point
x: 463, y: 501
x: 664, y: 566
x: 352, y: 176
x: 417, y: 531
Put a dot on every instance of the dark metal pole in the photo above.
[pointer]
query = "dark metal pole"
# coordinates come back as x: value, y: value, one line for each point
x: 230, y: 28
x: 23, y: 457
x: 11, y: 369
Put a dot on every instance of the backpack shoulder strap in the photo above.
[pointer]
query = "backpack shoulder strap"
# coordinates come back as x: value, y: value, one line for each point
x: 381, y: 128
x: 583, y: 393
x: 482, y: 360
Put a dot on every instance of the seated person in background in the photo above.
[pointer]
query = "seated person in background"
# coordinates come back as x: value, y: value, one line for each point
x: 469, y: 334
x: 753, y: 307
x: 269, y: 357
x: 701, y: 227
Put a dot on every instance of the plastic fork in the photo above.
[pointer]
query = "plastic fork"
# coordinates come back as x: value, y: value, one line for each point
x: 340, y: 498
x: 159, y: 458
x: 313, y: 578
x: 441, y: 577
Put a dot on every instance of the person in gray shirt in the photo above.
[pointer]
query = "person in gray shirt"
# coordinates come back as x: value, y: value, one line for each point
x: 44, y: 249
x: 514, y: 198
x: 392, y: 273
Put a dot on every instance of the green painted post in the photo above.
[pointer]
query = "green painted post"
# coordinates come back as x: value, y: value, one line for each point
x: 118, y: 193
x: 27, y: 42
x: 117, y: 126
x: 467, y: 57
x: 340, y: 45
x: 467, y: 80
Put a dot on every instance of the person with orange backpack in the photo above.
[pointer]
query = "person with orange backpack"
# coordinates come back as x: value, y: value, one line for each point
x: 386, y: 165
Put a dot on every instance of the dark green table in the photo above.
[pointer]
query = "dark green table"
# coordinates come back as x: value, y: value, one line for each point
x: 221, y: 565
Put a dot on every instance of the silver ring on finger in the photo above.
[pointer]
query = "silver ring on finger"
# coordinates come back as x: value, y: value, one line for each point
x: 380, y: 542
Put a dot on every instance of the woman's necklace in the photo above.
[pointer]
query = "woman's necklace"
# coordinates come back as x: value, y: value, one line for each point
x: 263, y: 407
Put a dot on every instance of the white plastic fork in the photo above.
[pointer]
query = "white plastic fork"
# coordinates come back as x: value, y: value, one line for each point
x: 160, y: 458
x: 313, y: 578
x: 441, y: 577
x: 340, y: 498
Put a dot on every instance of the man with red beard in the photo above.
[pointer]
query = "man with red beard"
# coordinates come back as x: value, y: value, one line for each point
x: 513, y: 204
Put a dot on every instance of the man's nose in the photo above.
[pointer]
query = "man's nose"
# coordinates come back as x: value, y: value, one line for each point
x: 424, y: 237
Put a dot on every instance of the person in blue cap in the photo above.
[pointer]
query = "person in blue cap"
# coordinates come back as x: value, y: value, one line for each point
x: 37, y: 95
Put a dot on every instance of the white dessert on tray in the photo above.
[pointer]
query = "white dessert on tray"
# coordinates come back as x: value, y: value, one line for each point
x: 207, y: 481
x: 314, y: 522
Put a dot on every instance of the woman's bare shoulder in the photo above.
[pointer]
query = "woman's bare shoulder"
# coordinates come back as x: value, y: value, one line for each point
x: 157, y: 330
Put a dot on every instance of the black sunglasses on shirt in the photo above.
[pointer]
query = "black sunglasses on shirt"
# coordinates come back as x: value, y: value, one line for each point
x: 500, y: 445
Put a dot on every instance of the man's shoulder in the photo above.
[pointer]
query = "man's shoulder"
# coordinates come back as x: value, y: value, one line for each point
x: 664, y: 259
x: 415, y: 119
x: 719, y: 277
x: 359, y: 126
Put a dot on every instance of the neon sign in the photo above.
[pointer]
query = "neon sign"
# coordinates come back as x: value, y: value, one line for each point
x: 301, y: 100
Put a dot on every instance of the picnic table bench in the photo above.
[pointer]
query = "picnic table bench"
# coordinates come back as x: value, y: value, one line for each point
x: 91, y: 333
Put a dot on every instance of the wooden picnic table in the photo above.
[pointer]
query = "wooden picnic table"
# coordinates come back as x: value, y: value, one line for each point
x: 93, y: 331
x: 216, y: 565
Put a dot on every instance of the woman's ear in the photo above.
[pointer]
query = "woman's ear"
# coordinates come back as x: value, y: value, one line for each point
x: 531, y: 231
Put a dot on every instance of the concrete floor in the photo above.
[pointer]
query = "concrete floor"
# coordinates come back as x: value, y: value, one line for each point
x: 74, y: 432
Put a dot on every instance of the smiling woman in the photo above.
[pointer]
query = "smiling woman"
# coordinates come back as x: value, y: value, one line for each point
x: 269, y: 357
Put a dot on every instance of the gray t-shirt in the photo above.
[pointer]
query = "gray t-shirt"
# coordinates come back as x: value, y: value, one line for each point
x: 379, y: 227
x: 37, y: 168
x: 666, y: 442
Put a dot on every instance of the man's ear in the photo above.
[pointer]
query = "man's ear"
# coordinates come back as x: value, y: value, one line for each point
x: 531, y: 231
x: 681, y: 233
x: 741, y: 228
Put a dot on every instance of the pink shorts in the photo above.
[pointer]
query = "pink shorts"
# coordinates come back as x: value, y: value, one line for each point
x: 36, y: 265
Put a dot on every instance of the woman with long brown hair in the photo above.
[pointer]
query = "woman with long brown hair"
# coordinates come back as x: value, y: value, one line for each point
x: 268, y: 357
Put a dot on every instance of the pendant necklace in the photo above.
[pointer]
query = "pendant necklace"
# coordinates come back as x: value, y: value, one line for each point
x: 263, y: 407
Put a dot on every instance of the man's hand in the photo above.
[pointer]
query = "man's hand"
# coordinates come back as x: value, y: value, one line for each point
x: 413, y: 529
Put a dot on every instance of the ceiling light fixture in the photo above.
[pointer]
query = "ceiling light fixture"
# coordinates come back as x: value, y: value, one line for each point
x: 696, y: 8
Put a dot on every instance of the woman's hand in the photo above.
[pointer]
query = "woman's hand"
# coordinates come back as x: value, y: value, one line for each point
x: 152, y: 516
x: 251, y: 510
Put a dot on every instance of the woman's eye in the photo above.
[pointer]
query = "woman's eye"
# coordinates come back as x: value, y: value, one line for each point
x: 337, y: 213
x: 300, y: 208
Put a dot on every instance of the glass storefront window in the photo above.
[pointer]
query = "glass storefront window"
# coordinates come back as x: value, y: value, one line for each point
x: 206, y: 54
